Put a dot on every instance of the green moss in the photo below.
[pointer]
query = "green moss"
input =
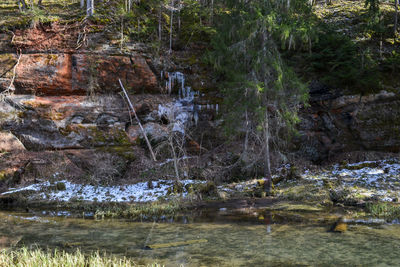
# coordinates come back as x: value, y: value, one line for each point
x: 303, y: 192
x: 3, y: 175
x: 140, y: 211
x: 289, y: 206
x: 208, y: 189
x: 99, y: 137
x: 124, y: 152
x: 61, y: 186
x: 361, y: 166
x: 112, y: 136
x: 51, y: 59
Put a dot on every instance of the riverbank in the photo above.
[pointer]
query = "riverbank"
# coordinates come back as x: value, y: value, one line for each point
x: 370, y: 187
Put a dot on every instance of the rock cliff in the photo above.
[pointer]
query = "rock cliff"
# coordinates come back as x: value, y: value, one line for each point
x: 66, y: 107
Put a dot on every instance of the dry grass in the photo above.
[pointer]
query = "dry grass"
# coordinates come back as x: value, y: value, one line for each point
x: 27, y: 258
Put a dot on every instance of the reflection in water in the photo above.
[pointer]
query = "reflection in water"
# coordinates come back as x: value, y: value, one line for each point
x: 266, y: 240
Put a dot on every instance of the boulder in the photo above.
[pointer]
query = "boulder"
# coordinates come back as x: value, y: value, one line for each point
x: 9, y: 143
x: 155, y: 132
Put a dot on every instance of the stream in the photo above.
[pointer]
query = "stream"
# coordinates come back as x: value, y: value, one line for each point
x: 212, y: 238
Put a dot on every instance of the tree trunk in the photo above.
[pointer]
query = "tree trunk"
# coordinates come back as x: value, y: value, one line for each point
x: 268, y: 176
x: 246, y: 138
x: 212, y: 12
x: 175, y: 158
x: 171, y: 27
x: 396, y: 2
x: 122, y: 33
x: 160, y: 23
x: 92, y: 7
x: 179, y: 17
x: 89, y: 8
x: 82, y: 4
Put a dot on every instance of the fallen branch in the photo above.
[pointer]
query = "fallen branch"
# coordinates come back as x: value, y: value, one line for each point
x: 137, y: 118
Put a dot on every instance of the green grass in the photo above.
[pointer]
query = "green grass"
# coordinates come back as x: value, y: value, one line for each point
x: 138, y: 211
x: 383, y: 210
x: 30, y: 258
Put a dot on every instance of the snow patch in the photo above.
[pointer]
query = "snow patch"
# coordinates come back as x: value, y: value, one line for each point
x: 140, y: 192
x: 372, y: 178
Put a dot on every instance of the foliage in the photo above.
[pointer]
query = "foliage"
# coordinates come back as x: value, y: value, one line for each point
x: 391, y: 63
x: 145, y: 18
x: 195, y: 25
x: 341, y: 64
x: 260, y: 89
x: 37, y: 257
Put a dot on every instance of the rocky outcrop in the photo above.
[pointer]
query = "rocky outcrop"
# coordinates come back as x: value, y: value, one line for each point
x: 10, y: 143
x: 81, y: 74
x: 66, y: 89
x: 155, y: 132
x: 348, y: 123
x: 61, y: 122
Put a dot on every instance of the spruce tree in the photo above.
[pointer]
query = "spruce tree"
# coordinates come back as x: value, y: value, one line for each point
x: 259, y: 88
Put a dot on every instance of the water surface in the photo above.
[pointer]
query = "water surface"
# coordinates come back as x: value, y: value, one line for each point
x: 268, y: 239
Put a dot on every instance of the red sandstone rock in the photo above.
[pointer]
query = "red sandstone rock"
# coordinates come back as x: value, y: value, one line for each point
x: 81, y: 74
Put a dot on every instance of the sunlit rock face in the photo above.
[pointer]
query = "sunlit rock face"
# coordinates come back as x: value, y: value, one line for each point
x: 81, y: 74
x: 61, y: 122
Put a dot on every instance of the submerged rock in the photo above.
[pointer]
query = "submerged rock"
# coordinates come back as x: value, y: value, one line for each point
x: 340, y: 226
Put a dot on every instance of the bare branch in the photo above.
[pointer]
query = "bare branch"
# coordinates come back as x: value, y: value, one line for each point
x: 11, y: 88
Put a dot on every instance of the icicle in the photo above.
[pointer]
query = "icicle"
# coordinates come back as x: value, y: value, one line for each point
x: 196, y: 118
x: 169, y: 84
x: 182, y: 111
x: 183, y: 92
x: 189, y: 92
x: 195, y: 114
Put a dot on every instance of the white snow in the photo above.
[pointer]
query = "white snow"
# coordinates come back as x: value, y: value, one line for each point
x: 378, y: 178
x: 139, y: 192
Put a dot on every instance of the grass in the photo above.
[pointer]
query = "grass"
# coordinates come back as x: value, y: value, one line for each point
x: 11, y: 18
x: 29, y: 258
x: 141, y: 211
x: 383, y: 210
x: 131, y: 211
